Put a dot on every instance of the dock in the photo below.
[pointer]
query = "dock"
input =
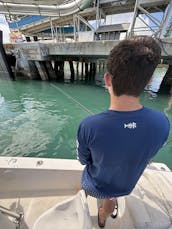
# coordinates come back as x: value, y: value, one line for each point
x: 51, y: 39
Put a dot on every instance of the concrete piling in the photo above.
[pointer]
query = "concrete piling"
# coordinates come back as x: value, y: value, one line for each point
x: 82, y: 70
x: 91, y: 71
x: 72, y: 71
x: 77, y: 70
x: 50, y: 70
x: 5, y: 65
x: 94, y: 70
x: 42, y: 70
x: 59, y: 70
x: 86, y: 71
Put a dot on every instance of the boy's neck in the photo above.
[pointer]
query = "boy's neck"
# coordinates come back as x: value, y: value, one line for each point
x: 125, y: 103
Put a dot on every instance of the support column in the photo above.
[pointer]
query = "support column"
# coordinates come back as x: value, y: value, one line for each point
x: 4, y: 66
x: 86, y: 71
x: 56, y: 68
x: 77, y: 70
x: 51, y: 72
x: 103, y: 64
x: 42, y: 70
x: 82, y: 70
x: 32, y: 71
x: 130, y: 30
x: 94, y: 70
x: 91, y: 71
x: 59, y: 70
x: 72, y: 71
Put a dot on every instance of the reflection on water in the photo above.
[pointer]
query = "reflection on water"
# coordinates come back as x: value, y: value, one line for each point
x: 40, y: 119
x: 27, y: 131
x: 163, y: 103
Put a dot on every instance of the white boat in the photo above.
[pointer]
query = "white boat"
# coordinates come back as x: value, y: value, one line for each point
x: 39, y: 193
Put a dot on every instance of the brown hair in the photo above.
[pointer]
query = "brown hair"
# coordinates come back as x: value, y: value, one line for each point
x: 131, y: 64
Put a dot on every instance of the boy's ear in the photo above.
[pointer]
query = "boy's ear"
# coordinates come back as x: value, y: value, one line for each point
x: 107, y: 79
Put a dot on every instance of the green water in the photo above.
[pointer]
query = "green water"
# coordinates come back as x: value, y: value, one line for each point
x: 40, y: 119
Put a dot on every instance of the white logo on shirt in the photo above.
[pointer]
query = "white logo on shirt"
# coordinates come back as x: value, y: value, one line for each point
x: 131, y: 125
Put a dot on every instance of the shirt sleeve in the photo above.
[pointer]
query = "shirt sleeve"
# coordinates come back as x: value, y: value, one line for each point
x: 167, y: 131
x: 162, y: 132
x: 83, y: 152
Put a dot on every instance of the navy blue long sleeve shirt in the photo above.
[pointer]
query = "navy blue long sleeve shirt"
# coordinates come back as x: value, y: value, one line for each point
x: 116, y: 147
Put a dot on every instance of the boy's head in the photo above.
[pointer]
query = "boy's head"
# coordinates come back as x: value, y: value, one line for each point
x: 131, y: 64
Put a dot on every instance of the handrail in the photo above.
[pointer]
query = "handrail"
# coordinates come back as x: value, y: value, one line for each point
x: 45, y: 10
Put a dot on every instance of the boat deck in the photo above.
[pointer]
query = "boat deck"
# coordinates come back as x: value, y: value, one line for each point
x: 149, y: 206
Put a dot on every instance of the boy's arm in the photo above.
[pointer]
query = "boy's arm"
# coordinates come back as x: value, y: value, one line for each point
x: 83, y: 152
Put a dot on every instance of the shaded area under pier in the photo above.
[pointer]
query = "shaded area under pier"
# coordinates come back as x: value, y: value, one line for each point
x: 69, y: 62
x: 7, y: 61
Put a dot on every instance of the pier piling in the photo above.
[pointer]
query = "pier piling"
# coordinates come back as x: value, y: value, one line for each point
x: 4, y: 64
x: 86, y: 71
x: 50, y: 70
x: 77, y: 70
x: 72, y: 71
x: 59, y: 70
x: 42, y: 70
x: 82, y: 70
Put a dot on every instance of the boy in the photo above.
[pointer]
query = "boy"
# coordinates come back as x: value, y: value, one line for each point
x: 116, y: 145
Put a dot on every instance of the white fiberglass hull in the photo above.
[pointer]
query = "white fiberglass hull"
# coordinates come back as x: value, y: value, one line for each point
x: 34, y: 185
